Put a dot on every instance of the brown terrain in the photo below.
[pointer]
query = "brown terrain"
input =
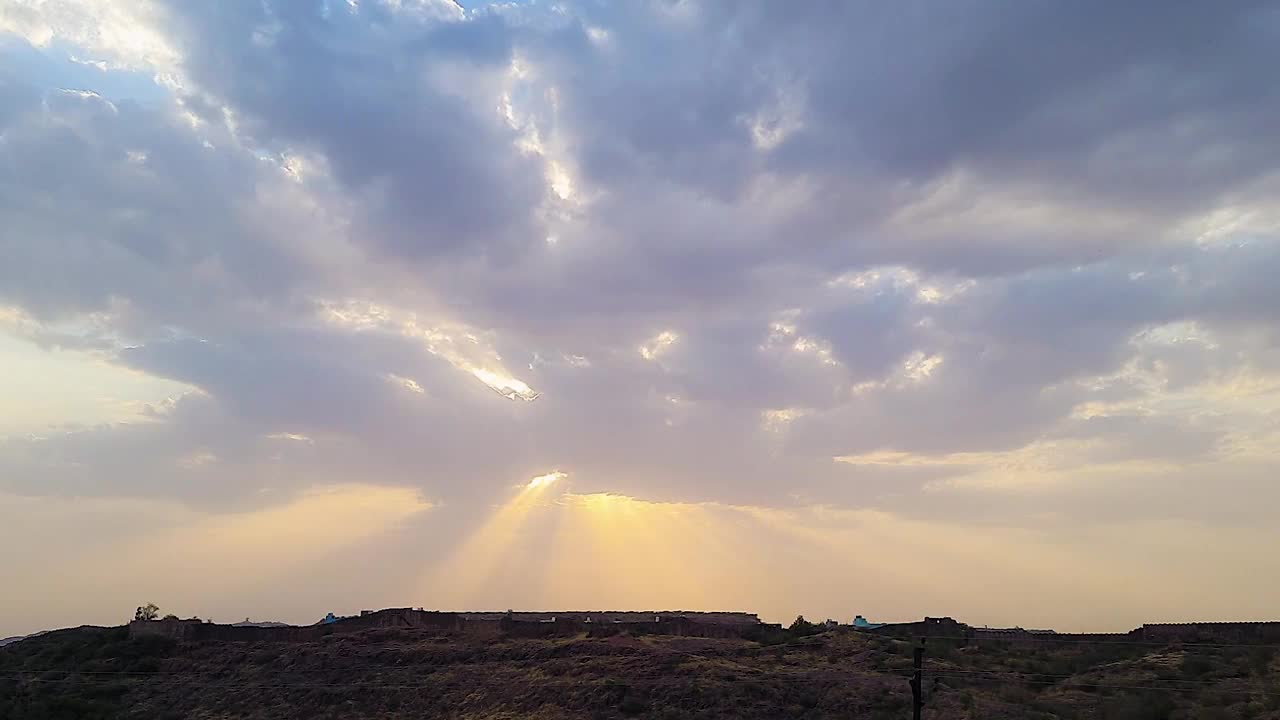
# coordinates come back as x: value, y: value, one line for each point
x: 447, y: 672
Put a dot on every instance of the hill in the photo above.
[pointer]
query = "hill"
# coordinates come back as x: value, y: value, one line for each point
x: 98, y: 673
x: 19, y: 638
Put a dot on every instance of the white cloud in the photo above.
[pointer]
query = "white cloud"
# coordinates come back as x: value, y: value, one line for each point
x: 127, y: 33
x: 656, y: 346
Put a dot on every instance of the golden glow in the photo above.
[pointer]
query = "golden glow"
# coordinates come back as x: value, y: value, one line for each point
x: 42, y: 388
x: 547, y: 549
x: 455, y: 343
x: 260, y: 543
x: 601, y: 550
x: 658, y: 345
x: 505, y: 385
x: 1042, y: 464
x: 464, y: 575
x: 776, y: 420
x: 295, y: 437
x: 407, y: 383
x: 191, y: 561
x: 625, y: 552
x: 547, y: 479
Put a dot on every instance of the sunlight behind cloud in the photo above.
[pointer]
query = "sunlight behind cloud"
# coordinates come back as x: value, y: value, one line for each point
x: 547, y: 479
x: 465, y: 574
x: 605, y: 550
x: 657, y: 346
x: 505, y: 385
x: 124, y: 32
x: 43, y: 389
x: 189, y: 560
x: 455, y: 344
x: 407, y: 383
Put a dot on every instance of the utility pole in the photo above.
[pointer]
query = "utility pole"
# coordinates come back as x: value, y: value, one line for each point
x: 917, y: 683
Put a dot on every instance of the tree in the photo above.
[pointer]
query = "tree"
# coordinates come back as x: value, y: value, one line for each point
x: 801, y: 627
x: 147, y: 612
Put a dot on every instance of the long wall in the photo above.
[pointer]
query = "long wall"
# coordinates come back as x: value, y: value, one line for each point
x: 710, y: 625
x: 627, y: 616
x: 194, y: 630
x: 929, y: 627
x: 597, y: 624
x: 1206, y: 632
x: 1212, y: 632
x: 655, y: 625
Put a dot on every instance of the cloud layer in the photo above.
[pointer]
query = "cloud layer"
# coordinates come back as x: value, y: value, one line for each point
x: 970, y: 266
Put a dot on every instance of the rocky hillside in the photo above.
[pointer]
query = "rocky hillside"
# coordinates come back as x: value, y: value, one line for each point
x: 100, y: 673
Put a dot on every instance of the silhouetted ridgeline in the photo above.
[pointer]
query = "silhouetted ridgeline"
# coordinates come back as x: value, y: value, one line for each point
x: 682, y: 623
x: 1202, y: 632
x: 517, y: 624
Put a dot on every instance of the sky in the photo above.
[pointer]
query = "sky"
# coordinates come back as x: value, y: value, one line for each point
x: 897, y: 309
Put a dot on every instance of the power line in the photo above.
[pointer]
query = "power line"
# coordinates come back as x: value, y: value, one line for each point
x: 657, y: 682
x: 180, y: 674
x: 768, y: 673
x: 1068, y: 685
x: 420, y: 665
x: 1067, y: 641
x: 506, y: 682
x: 1015, y: 675
x: 195, y: 679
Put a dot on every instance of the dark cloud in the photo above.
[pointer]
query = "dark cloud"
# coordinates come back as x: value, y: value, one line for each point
x: 106, y: 201
x: 402, y: 111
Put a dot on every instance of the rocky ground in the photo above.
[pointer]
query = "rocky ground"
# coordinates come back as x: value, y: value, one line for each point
x: 100, y: 673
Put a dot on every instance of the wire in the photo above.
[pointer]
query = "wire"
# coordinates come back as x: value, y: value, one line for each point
x: 1066, y: 641
x: 422, y: 664
x: 404, y: 668
x: 1015, y: 675
x: 506, y: 682
x: 769, y: 675
x: 1069, y: 685
x: 657, y: 682
x: 811, y: 677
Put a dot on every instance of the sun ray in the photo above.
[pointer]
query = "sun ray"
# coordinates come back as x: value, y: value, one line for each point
x: 462, y: 576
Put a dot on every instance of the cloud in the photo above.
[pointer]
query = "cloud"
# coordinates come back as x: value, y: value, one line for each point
x: 909, y: 260
x: 119, y: 208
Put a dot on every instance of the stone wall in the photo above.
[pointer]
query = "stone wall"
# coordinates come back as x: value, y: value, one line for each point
x: 656, y: 624
x: 196, y: 631
x: 1245, y: 633
x: 1212, y: 632
x: 682, y: 626
x: 929, y: 627
x: 724, y: 618
x: 532, y: 625
x: 559, y: 627
x: 401, y: 618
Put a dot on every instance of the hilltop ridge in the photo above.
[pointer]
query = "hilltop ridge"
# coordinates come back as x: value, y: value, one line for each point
x: 384, y: 670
